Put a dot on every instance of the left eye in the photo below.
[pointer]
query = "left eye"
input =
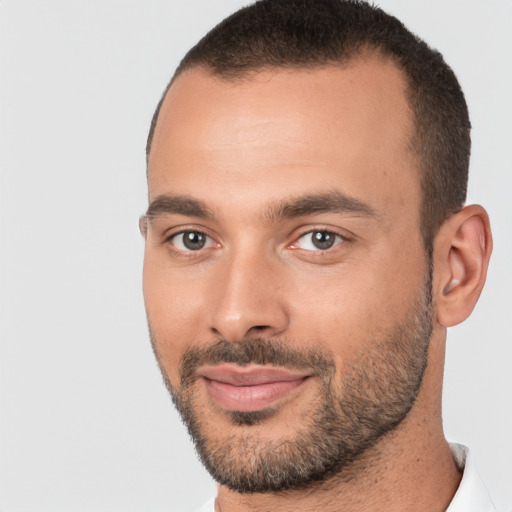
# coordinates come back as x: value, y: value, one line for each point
x: 191, y: 241
x: 318, y: 240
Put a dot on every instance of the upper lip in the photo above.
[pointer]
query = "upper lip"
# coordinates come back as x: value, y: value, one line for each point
x: 251, y: 375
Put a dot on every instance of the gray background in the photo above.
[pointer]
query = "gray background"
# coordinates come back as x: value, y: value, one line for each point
x: 85, y: 422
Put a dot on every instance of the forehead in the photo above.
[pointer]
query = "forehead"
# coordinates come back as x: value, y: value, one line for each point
x: 288, y: 128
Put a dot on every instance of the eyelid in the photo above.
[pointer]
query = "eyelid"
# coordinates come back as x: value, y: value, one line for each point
x: 208, y: 242
x: 171, y: 234
x: 320, y: 229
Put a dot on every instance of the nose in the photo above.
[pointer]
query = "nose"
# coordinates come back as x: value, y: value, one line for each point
x: 250, y: 299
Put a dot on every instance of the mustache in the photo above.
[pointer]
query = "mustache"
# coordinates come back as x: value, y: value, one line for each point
x: 254, y: 351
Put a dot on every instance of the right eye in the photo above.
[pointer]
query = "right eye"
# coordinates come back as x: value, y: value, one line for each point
x: 188, y: 241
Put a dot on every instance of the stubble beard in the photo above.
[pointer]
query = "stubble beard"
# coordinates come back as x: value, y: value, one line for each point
x: 351, y: 414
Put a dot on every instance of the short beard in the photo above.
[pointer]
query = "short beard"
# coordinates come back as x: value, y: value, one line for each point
x: 351, y: 414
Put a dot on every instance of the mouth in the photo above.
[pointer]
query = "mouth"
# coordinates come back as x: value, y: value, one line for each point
x: 249, y: 388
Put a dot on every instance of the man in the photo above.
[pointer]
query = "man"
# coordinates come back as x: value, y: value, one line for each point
x: 307, y: 245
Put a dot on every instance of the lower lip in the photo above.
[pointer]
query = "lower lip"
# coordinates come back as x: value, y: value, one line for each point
x: 250, y: 398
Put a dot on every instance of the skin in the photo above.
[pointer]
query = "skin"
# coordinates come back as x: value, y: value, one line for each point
x: 241, y: 148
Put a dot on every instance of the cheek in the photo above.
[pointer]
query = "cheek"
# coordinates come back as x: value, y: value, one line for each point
x: 349, y: 309
x: 174, y: 309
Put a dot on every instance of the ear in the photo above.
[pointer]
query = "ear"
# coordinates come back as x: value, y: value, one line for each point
x: 143, y: 226
x: 462, y: 249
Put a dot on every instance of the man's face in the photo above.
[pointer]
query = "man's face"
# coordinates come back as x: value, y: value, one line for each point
x: 285, y: 279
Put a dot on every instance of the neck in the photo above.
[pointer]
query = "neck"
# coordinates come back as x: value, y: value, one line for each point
x: 410, y: 469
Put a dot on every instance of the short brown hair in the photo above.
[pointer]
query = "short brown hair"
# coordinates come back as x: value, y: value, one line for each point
x: 312, y: 33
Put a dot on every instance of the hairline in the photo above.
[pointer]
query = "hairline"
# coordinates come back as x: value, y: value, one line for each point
x: 359, y: 52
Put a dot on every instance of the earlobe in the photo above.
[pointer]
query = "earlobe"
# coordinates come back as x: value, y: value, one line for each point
x: 461, y: 256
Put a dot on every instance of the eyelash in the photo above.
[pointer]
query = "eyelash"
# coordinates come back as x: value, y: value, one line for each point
x: 338, y: 240
x: 185, y: 252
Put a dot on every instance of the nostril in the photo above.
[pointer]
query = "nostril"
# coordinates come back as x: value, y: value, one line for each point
x: 259, y: 327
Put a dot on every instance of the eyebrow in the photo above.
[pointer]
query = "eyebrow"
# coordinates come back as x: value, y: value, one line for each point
x: 177, y: 204
x: 329, y: 202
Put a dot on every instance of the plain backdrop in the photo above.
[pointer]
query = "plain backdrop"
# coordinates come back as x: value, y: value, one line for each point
x: 85, y: 422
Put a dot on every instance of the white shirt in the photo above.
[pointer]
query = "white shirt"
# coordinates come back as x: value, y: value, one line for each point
x: 471, y: 496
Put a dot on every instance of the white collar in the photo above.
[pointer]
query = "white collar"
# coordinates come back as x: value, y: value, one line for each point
x: 472, y: 495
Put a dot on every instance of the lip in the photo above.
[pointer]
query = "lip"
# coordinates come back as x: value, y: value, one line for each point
x: 249, y: 388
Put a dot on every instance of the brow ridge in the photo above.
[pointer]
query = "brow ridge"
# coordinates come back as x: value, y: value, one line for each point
x: 178, y: 204
x: 302, y: 206
x: 327, y: 202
